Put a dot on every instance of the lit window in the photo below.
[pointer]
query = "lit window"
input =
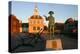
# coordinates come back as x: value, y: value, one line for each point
x: 34, y: 28
x: 38, y: 28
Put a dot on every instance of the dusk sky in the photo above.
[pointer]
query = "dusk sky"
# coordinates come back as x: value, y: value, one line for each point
x: 23, y: 10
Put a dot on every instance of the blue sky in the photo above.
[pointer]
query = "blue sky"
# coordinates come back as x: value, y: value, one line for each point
x: 23, y: 10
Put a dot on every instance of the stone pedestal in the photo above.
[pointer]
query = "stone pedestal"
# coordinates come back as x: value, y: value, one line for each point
x: 55, y: 44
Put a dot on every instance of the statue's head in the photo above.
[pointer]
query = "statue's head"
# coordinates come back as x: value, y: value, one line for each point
x: 51, y: 12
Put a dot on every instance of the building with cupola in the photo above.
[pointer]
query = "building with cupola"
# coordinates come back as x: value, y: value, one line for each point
x: 36, y: 22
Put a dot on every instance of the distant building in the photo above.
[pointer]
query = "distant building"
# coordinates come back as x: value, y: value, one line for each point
x: 14, y: 24
x: 25, y: 27
x: 59, y: 27
x: 36, y: 22
x: 71, y: 26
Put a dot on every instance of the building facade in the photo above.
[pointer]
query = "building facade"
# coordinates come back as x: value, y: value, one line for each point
x: 15, y: 24
x: 36, y: 22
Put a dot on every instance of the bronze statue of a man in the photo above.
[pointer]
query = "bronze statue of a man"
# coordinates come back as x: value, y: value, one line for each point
x: 51, y: 23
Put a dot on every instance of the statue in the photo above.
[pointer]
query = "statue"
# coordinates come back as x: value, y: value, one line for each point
x: 51, y: 23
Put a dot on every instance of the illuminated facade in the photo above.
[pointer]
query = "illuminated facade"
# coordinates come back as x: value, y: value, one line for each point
x: 15, y: 24
x: 36, y: 22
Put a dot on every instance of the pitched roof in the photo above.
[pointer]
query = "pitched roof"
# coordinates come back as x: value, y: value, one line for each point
x: 36, y: 17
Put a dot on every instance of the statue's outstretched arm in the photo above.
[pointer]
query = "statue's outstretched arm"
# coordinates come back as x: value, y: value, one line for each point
x: 46, y: 17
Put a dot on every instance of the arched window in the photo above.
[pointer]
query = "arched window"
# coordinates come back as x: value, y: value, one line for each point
x: 38, y: 28
x: 34, y: 28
